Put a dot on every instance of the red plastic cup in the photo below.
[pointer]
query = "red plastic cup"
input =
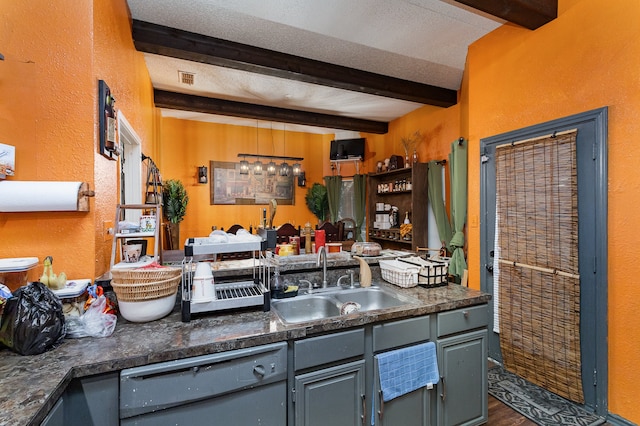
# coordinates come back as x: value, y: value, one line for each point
x: 320, y: 239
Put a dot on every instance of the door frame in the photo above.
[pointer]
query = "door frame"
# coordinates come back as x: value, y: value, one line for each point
x: 594, y: 297
x: 130, y: 167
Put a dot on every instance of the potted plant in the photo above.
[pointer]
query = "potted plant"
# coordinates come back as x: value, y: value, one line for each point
x: 318, y: 201
x: 174, y: 207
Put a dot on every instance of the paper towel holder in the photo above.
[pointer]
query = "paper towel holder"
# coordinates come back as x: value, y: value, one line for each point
x: 11, y: 189
x: 84, y: 193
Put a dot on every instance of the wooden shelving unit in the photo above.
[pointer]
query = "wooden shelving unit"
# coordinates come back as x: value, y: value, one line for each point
x: 413, y: 201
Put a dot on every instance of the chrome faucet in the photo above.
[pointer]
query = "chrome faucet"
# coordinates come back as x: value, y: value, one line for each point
x: 322, y: 255
x: 309, y: 285
x: 350, y: 272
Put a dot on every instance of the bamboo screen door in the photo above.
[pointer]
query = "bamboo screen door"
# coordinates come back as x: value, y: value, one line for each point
x: 538, y: 285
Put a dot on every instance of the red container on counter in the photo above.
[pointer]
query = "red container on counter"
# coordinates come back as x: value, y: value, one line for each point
x: 320, y: 238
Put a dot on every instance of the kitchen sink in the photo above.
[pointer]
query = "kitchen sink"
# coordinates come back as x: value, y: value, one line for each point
x: 328, y: 303
x: 305, y: 308
x: 371, y: 298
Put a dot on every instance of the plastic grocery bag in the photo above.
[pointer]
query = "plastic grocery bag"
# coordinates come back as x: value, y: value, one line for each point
x: 32, y: 321
x: 95, y: 322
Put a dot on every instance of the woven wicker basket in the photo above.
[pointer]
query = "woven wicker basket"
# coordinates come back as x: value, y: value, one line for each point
x: 135, y: 285
x: 140, y: 276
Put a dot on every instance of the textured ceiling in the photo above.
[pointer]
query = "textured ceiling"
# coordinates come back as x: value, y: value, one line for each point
x: 418, y: 40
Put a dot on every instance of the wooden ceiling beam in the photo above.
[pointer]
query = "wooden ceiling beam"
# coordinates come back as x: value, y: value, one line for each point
x: 530, y: 14
x: 185, y: 102
x: 172, y: 42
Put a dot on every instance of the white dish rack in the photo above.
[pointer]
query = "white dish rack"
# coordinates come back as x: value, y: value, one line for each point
x: 231, y: 295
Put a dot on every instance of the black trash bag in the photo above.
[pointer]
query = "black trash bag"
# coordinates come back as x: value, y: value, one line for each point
x: 32, y: 321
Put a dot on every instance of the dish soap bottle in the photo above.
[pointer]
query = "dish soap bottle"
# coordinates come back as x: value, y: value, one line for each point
x: 277, y: 288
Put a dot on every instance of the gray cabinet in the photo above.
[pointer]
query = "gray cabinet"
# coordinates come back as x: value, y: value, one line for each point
x: 462, y: 362
x: 329, y: 380
x: 331, y: 396
x: 89, y: 400
x: 411, y: 409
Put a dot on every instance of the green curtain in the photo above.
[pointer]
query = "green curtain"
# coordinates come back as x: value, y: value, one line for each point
x: 359, y: 191
x: 334, y: 190
x: 436, y: 197
x: 458, y: 173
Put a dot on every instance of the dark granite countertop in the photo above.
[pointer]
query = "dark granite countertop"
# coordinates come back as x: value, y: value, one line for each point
x: 32, y: 384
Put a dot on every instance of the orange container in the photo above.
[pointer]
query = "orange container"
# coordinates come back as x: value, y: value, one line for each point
x: 334, y: 247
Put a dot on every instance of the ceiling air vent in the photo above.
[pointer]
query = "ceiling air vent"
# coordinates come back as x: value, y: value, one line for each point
x: 186, y: 77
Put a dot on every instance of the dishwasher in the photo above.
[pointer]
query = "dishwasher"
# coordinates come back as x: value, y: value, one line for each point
x: 239, y: 387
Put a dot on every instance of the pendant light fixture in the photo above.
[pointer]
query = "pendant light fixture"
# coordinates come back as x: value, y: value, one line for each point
x: 284, y: 167
x: 244, y: 166
x: 257, y: 166
x: 271, y: 167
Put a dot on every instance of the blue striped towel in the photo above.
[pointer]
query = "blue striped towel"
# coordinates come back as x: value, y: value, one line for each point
x: 405, y: 370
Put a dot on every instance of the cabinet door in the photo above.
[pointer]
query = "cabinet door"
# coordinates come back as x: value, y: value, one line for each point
x: 56, y: 415
x: 331, y: 396
x: 411, y: 409
x: 462, y: 391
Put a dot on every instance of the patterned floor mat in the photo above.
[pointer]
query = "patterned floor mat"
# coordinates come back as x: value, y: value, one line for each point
x: 535, y: 403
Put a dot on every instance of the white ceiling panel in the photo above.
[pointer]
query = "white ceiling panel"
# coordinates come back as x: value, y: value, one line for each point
x: 418, y: 40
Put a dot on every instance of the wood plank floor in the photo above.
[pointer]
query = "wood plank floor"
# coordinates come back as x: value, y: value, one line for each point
x: 501, y: 414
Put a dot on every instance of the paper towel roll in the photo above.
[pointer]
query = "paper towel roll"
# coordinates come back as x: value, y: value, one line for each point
x: 34, y: 196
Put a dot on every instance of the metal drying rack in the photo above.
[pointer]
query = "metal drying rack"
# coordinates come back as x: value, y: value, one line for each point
x: 231, y: 295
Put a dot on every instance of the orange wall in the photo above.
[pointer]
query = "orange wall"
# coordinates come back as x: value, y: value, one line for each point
x: 589, y: 57
x: 186, y: 144
x: 48, y: 111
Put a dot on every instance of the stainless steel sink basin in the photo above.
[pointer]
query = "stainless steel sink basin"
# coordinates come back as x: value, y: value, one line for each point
x: 309, y: 307
x: 369, y: 298
x: 305, y: 308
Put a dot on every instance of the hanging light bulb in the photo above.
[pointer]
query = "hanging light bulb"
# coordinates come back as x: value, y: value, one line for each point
x: 296, y: 169
x: 284, y: 169
x: 257, y: 167
x: 271, y: 168
x: 244, y: 167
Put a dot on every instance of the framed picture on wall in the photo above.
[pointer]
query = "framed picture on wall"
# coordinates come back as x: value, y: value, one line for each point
x: 228, y: 186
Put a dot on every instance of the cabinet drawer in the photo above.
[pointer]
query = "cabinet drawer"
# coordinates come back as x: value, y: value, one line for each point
x: 462, y: 319
x: 329, y: 348
x: 174, y: 383
x: 400, y: 333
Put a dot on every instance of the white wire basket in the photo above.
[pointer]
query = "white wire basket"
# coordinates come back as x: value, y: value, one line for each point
x: 432, y: 273
x: 399, y: 273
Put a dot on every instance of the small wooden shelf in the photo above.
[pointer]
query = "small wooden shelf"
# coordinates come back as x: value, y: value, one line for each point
x: 392, y: 239
x: 384, y: 194
x: 413, y: 201
x: 119, y: 237
x: 135, y: 234
x: 400, y: 171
